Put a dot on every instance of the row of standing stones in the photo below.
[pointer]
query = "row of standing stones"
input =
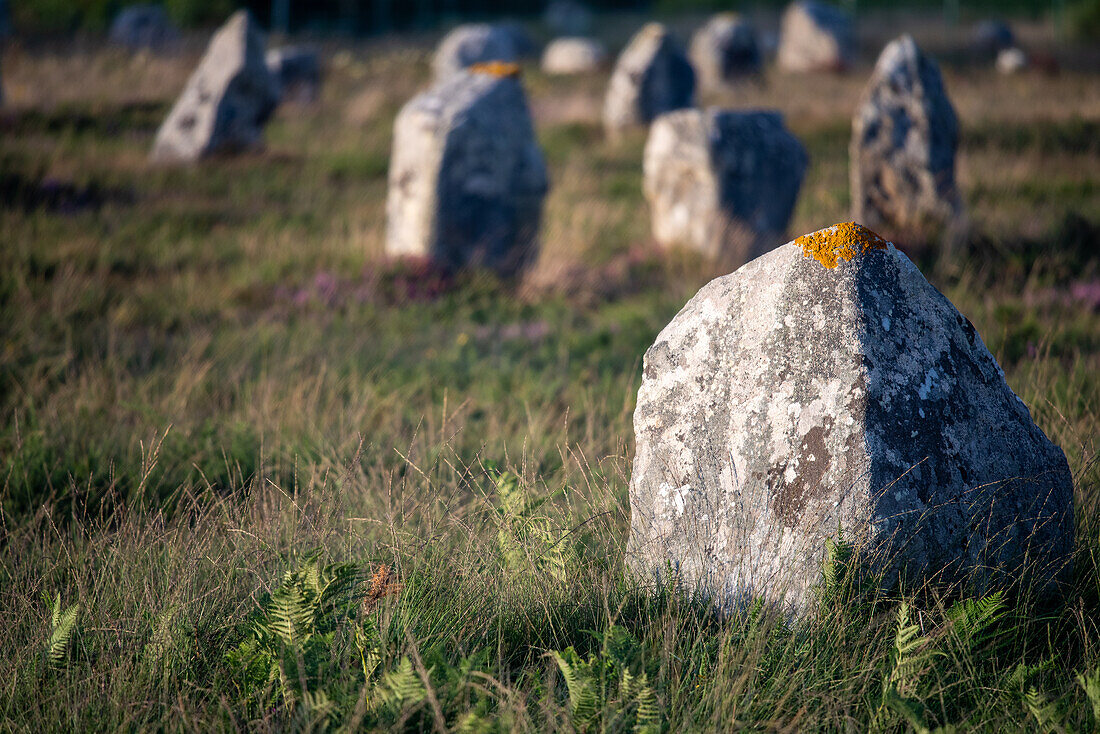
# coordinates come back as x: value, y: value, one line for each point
x: 824, y: 387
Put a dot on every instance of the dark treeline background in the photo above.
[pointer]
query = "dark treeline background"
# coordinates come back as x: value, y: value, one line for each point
x: 362, y: 17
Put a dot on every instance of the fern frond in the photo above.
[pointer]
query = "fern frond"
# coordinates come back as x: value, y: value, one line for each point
x: 290, y: 616
x: 63, y: 625
x: 1044, y: 711
x: 1091, y: 684
x: 581, y: 684
x: 971, y: 619
x: 401, y: 687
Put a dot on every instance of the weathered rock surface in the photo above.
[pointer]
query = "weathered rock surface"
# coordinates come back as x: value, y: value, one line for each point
x: 651, y: 77
x: 467, y: 178
x: 724, y: 50
x: 144, y: 26
x: 568, y: 18
x: 824, y: 388
x: 904, y: 139
x: 473, y: 43
x: 297, y: 70
x: 814, y: 36
x: 227, y: 100
x: 722, y: 182
x: 573, y: 55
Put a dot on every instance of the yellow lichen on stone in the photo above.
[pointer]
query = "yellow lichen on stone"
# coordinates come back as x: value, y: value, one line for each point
x: 847, y: 240
x: 495, y: 68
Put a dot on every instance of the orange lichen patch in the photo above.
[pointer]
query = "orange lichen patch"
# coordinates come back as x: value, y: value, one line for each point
x: 495, y: 68
x: 841, y: 241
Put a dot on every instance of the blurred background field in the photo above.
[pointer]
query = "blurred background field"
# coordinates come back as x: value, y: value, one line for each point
x: 208, y: 370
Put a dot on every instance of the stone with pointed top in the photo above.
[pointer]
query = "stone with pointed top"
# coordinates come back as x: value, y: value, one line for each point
x: 815, y: 36
x: 827, y: 389
x: 722, y: 182
x: 902, y: 158
x: 467, y: 178
x: 651, y: 77
x: 227, y: 100
x: 725, y: 50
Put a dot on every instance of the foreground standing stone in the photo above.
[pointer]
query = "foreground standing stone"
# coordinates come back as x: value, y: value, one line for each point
x: 825, y: 388
x: 227, y: 100
x: 573, y: 56
x: 297, y: 70
x: 144, y: 26
x: 721, y: 182
x: 474, y: 43
x: 815, y: 37
x: 725, y: 50
x: 651, y: 77
x: 467, y: 179
x: 904, y: 139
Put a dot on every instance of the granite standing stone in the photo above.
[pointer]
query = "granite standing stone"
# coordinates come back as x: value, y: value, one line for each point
x: 227, y: 100
x: 904, y: 139
x: 573, y: 56
x: 297, y: 70
x: 827, y: 388
x: 651, y: 77
x: 725, y: 50
x: 144, y: 27
x: 815, y: 36
x: 722, y: 182
x: 474, y: 43
x: 467, y: 179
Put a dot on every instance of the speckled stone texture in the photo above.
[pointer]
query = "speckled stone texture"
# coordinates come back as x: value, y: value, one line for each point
x: 790, y: 401
x: 815, y: 36
x: 227, y: 100
x: 724, y: 51
x: 573, y: 56
x: 722, y: 182
x: 474, y: 43
x: 652, y: 76
x: 904, y: 139
x: 467, y: 179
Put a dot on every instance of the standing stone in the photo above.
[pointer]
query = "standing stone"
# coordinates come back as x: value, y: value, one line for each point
x: 568, y: 18
x: 651, y: 77
x: 573, y: 56
x: 226, y: 101
x: 474, y: 43
x: 814, y: 36
x: 722, y: 182
x: 904, y: 139
x: 827, y: 388
x: 1012, y: 61
x: 297, y: 70
x: 991, y: 37
x: 725, y: 50
x: 467, y: 178
x: 144, y: 27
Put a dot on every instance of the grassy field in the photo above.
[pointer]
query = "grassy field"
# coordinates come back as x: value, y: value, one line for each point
x: 254, y: 477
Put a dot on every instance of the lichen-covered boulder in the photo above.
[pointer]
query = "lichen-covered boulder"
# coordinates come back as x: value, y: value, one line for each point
x: 297, y: 70
x: 573, y: 55
x: 651, y: 77
x: 724, y: 50
x: 814, y: 36
x: 904, y: 139
x: 722, y: 182
x: 474, y: 43
x: 227, y: 100
x: 467, y: 179
x: 568, y: 17
x: 144, y: 27
x: 827, y: 389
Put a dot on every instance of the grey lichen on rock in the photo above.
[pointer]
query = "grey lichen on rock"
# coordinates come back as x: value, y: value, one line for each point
x: 722, y: 182
x: 815, y: 36
x: 725, y: 50
x: 227, y: 100
x: 474, y: 43
x: 467, y: 178
x: 826, y: 387
x: 652, y: 76
x: 904, y: 141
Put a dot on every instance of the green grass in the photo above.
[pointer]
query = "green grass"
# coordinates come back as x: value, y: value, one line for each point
x: 222, y: 412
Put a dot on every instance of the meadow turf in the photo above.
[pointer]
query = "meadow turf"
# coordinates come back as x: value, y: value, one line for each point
x: 252, y: 476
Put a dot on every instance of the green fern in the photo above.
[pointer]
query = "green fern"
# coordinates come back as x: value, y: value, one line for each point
x: 1045, y: 712
x: 972, y: 620
x: 1090, y: 682
x: 62, y: 629
x: 527, y: 541
x: 400, y: 688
